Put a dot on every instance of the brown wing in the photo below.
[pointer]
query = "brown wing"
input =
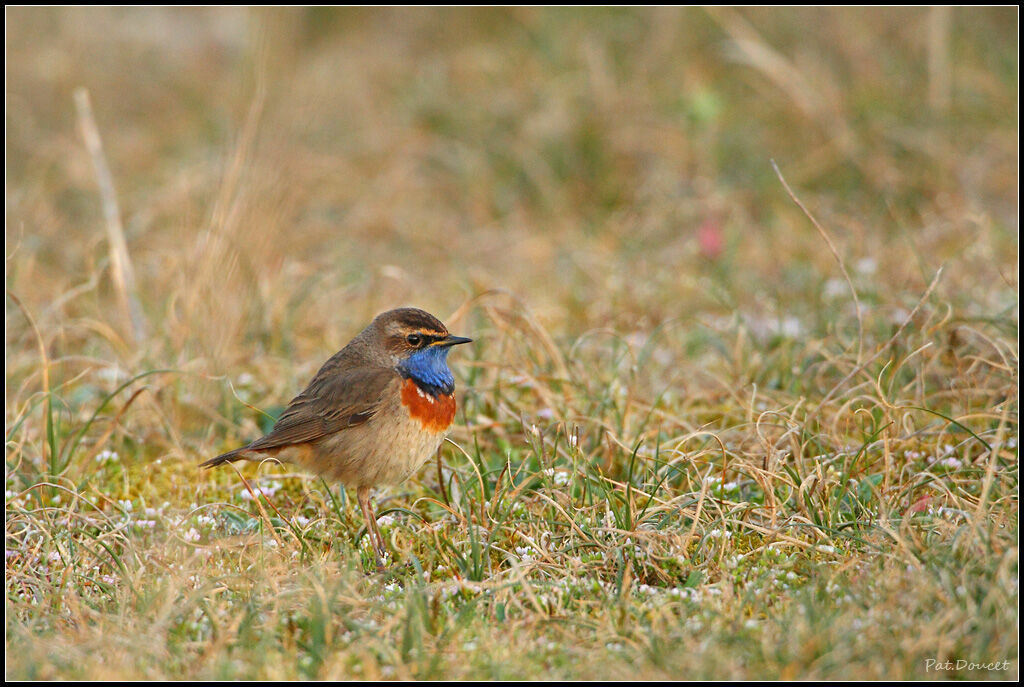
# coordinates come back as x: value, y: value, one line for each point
x: 333, y: 401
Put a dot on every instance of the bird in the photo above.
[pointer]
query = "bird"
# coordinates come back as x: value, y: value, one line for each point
x: 374, y: 413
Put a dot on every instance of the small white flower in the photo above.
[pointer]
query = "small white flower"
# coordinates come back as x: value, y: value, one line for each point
x: 110, y: 374
x: 834, y: 288
x: 106, y: 455
x: 791, y: 326
x: 526, y: 553
x: 267, y: 491
x: 867, y: 265
x: 559, y: 477
x: 900, y: 316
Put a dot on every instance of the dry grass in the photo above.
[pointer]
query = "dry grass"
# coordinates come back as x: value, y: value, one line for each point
x: 708, y: 429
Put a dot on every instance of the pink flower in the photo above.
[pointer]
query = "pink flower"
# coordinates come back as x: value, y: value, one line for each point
x: 921, y: 504
x: 711, y: 239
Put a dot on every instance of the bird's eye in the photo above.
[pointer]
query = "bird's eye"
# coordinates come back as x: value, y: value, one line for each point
x: 414, y: 339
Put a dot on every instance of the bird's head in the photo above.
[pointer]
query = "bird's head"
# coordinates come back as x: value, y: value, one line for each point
x: 417, y: 343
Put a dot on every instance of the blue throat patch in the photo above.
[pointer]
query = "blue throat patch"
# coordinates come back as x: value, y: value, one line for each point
x: 428, y: 367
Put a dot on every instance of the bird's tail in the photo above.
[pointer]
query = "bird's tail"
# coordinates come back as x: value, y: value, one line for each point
x: 229, y: 457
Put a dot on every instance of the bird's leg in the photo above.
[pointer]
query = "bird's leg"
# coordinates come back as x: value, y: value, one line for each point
x: 380, y: 539
x: 363, y: 495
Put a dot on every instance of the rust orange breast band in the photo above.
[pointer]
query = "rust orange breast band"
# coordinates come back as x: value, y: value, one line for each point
x: 435, y: 413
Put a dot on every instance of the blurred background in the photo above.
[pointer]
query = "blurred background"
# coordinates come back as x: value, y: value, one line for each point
x: 282, y: 175
x: 715, y: 384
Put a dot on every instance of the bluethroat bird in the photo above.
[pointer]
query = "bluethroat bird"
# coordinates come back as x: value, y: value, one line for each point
x: 373, y: 414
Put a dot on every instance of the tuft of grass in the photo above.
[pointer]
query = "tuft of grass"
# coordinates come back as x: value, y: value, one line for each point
x: 720, y: 420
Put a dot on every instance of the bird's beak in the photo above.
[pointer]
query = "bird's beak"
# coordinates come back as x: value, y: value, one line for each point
x: 452, y: 341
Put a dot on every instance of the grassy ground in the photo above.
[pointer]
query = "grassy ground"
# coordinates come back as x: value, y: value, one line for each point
x: 719, y: 421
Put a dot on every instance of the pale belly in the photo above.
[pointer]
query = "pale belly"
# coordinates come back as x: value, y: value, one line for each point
x: 370, y: 457
x: 387, y: 449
